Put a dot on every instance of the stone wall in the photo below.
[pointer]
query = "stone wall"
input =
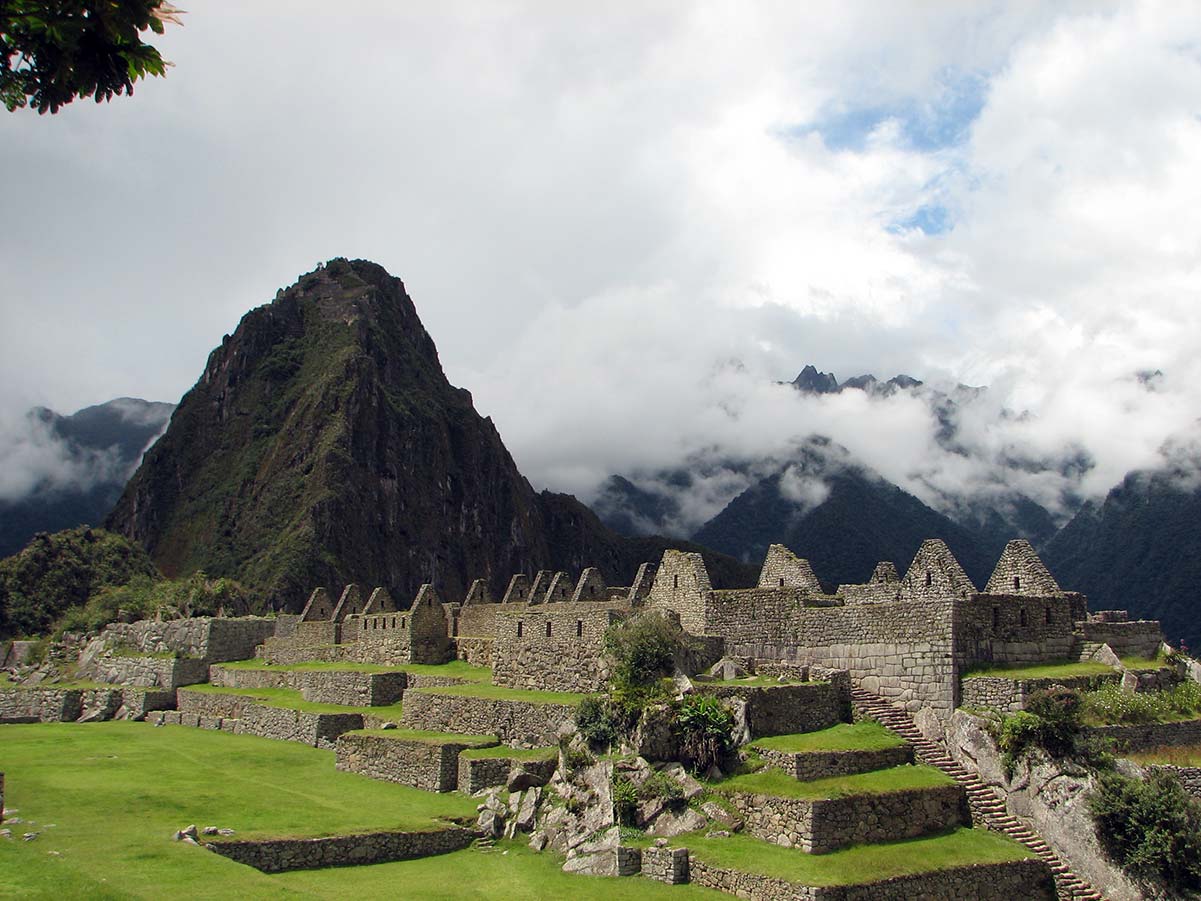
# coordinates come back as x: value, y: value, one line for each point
x: 321, y: 730
x: 682, y: 585
x: 479, y: 620
x: 229, y: 677
x: 214, y: 639
x: 782, y: 568
x: 819, y: 826
x: 474, y: 650
x: 820, y: 764
x: 522, y: 722
x: 282, y: 855
x: 1011, y: 695
x: 1140, y: 638
x: 44, y: 705
x: 553, y: 647
x: 1029, y: 880
x: 898, y: 651
x: 352, y: 689
x: 783, y: 709
x: 204, y: 703
x: 1153, y: 735
x: 476, y: 773
x: 290, y: 651
x: 1016, y: 629
x: 161, y: 672
x: 428, y: 765
x: 668, y: 865
x: 140, y: 701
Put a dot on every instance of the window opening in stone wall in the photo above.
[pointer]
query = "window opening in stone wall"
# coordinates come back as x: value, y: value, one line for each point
x: 929, y: 579
x: 1022, y: 616
x: 996, y: 617
x: 402, y: 622
x: 394, y: 622
x: 1017, y: 583
x: 781, y: 581
x: 1048, y: 616
x: 579, y: 628
x: 675, y: 581
x: 518, y: 628
x: 548, y: 628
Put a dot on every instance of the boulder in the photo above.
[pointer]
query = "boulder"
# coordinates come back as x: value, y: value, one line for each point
x: 670, y: 824
x: 597, y: 857
x: 520, y: 779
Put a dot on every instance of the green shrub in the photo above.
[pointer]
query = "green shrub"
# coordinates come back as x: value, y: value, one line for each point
x: 705, y: 730
x: 1152, y: 828
x: 576, y: 758
x: 596, y: 722
x: 1018, y: 733
x: 643, y: 650
x: 625, y: 800
x: 1058, y: 710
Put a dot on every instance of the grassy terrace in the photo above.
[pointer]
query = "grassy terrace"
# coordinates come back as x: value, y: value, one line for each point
x: 1184, y: 755
x: 291, y: 700
x: 433, y: 738
x: 864, y: 736
x: 502, y: 693
x: 862, y: 863
x: 878, y: 782
x: 456, y: 669
x: 504, y: 751
x: 1042, y: 671
x: 1159, y: 661
x: 116, y: 792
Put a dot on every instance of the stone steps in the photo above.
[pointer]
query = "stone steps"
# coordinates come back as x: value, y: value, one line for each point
x: 988, y: 808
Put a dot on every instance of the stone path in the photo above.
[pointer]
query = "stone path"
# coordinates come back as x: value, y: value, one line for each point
x: 988, y: 807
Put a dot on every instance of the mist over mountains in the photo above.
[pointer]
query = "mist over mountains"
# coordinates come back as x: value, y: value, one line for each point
x: 61, y: 471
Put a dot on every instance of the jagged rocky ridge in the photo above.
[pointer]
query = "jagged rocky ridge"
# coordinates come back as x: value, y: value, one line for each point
x: 323, y: 445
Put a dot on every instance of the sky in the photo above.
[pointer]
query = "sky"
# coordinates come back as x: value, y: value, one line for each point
x: 623, y: 223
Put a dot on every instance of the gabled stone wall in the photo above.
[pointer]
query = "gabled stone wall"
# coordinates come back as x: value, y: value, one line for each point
x: 555, y: 647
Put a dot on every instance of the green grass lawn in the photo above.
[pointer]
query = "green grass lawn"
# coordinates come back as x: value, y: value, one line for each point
x: 862, y: 863
x: 503, y: 693
x: 863, y: 736
x: 1042, y: 671
x: 1184, y: 755
x: 456, y: 669
x: 511, y: 753
x: 117, y: 791
x: 1159, y: 661
x: 779, y: 784
x: 292, y: 700
x: 433, y: 738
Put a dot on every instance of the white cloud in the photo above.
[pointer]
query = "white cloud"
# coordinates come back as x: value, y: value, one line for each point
x: 593, y: 212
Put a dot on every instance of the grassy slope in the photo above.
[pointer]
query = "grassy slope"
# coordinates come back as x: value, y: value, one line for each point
x: 116, y: 792
x: 1189, y: 755
x: 1043, y: 671
x: 862, y: 863
x: 865, y: 736
x: 781, y: 785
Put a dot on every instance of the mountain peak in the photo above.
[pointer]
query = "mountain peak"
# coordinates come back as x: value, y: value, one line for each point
x: 811, y: 381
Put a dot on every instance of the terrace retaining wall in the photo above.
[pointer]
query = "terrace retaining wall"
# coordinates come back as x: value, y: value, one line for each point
x: 523, y: 722
x: 433, y: 766
x: 805, y: 765
x: 822, y: 825
x: 283, y: 855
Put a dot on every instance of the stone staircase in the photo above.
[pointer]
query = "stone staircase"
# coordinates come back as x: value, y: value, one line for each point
x: 988, y: 808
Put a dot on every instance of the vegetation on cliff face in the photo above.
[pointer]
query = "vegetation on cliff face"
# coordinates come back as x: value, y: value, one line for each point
x: 60, y: 571
x: 323, y: 445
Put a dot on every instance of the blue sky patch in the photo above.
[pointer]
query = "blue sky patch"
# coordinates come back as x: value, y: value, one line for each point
x: 926, y: 124
x: 931, y: 218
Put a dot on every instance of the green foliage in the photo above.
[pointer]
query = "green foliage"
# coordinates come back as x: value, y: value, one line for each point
x: 705, y: 729
x: 1152, y: 828
x: 625, y: 800
x: 53, y: 52
x: 57, y: 572
x: 660, y: 785
x: 643, y: 650
x: 1051, y: 721
x: 596, y: 722
x: 1110, y: 704
x: 143, y: 597
x: 576, y: 758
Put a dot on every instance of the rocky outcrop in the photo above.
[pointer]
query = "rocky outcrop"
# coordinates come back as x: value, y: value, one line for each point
x: 1052, y: 796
